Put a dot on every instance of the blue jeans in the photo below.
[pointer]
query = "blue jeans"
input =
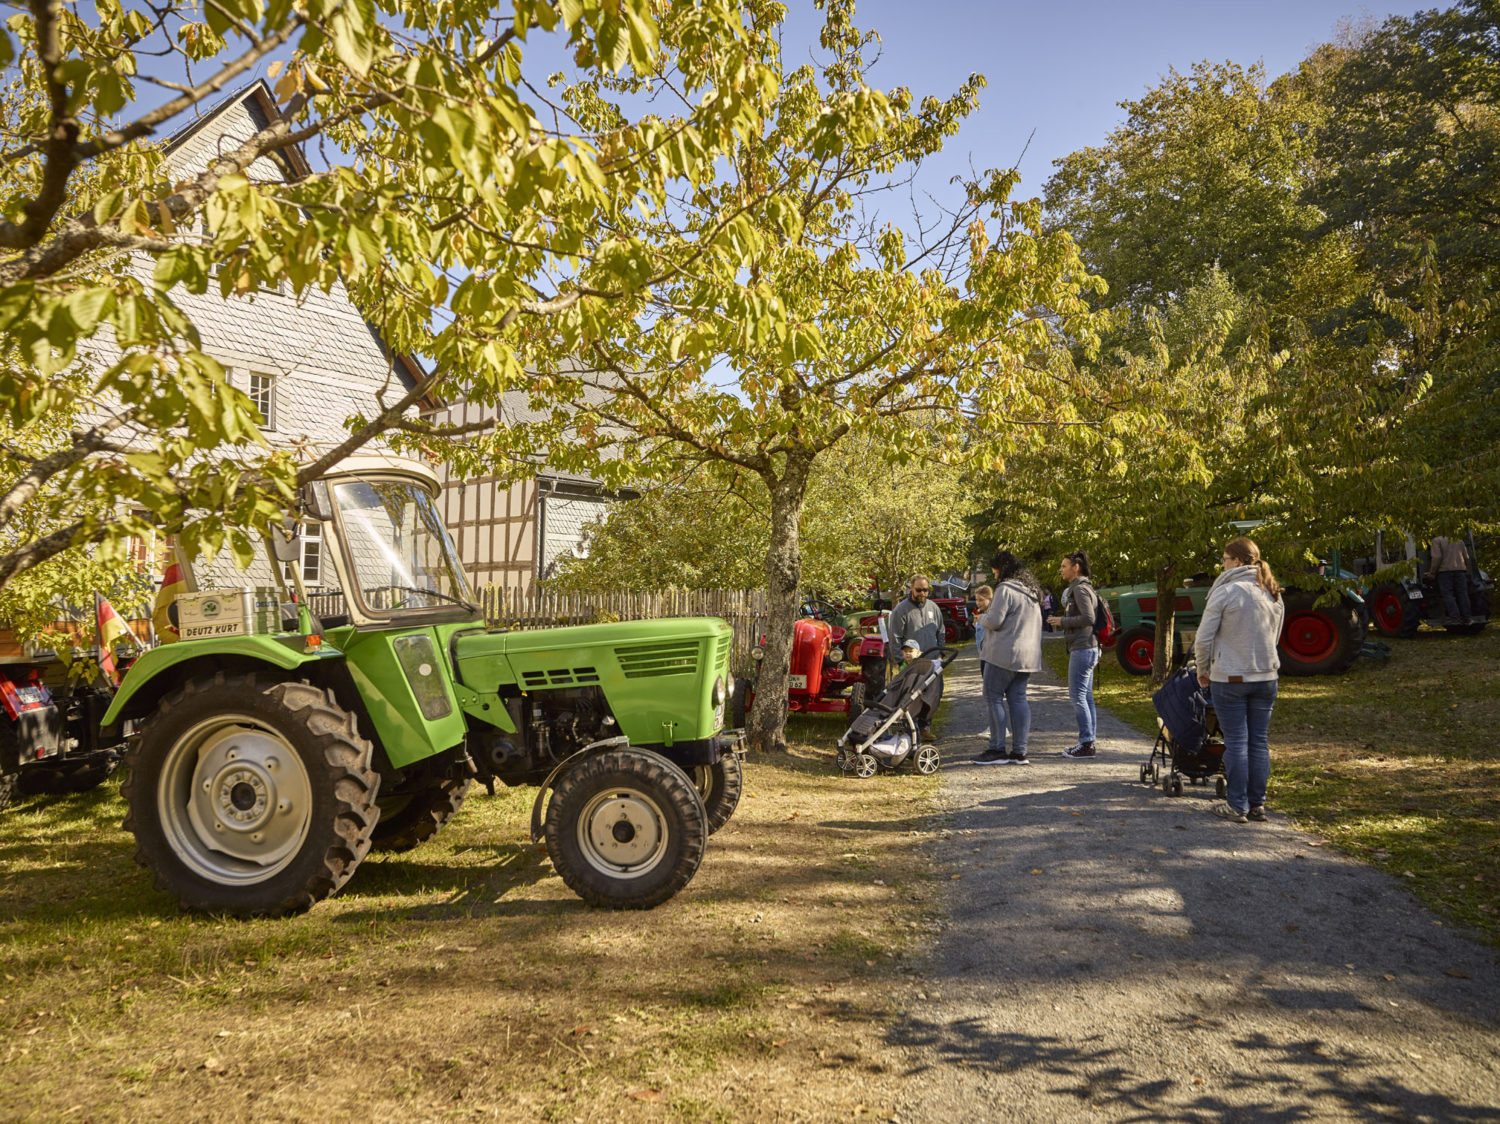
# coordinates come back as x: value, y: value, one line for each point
x: 1454, y: 586
x: 1005, y: 695
x: 1081, y: 666
x: 1244, y: 711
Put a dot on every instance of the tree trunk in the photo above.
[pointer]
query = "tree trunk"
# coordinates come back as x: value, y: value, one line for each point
x: 783, y: 580
x: 1166, y: 623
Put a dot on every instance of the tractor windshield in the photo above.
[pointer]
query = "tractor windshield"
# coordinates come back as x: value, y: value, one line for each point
x: 397, y: 547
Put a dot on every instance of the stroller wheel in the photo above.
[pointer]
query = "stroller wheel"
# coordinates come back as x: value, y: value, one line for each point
x: 1221, y: 787
x: 927, y: 760
x: 1146, y: 774
x: 841, y: 758
x: 863, y: 765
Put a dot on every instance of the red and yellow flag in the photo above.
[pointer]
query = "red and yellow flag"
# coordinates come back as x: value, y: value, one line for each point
x: 172, y: 583
x: 111, y: 628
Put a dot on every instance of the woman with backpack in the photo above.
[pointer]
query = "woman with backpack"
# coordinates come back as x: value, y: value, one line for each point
x: 1236, y: 654
x: 1010, y: 651
x: 1080, y: 605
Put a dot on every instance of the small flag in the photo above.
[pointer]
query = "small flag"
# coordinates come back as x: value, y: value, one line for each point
x: 172, y: 583
x: 111, y: 628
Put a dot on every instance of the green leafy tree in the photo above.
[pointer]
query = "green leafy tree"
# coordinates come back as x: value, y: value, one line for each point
x: 1408, y: 157
x: 450, y: 202
x: 864, y: 520
x: 842, y: 325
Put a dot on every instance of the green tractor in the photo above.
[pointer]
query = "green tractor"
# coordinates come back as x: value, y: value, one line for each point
x: 278, y: 746
x: 1315, y: 639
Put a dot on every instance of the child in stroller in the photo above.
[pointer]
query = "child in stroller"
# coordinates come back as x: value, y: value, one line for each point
x: 888, y: 734
x: 1188, y: 743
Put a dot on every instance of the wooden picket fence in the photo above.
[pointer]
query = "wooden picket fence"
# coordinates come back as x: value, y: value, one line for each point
x: 537, y: 607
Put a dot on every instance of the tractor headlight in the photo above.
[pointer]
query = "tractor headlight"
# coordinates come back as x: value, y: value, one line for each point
x: 757, y: 654
x: 718, y: 695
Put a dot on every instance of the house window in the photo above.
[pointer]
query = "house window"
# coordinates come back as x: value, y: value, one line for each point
x: 261, y: 391
x: 312, y: 554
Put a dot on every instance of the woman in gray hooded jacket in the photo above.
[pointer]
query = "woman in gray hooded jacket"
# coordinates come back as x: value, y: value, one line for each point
x: 1236, y: 654
x: 1010, y: 651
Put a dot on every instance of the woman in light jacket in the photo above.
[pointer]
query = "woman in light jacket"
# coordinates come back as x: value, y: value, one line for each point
x: 1010, y: 651
x: 1236, y: 654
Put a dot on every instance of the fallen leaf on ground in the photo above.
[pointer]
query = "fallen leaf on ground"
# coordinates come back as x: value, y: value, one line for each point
x: 652, y: 1095
x: 1037, y: 870
x: 1457, y: 974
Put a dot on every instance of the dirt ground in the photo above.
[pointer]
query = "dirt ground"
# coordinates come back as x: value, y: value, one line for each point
x: 1114, y: 954
x: 464, y: 981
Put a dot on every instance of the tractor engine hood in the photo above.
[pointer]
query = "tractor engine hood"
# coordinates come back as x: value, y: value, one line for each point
x: 658, y: 657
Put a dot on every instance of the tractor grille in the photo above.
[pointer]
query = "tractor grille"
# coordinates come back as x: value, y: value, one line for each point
x: 721, y: 653
x: 559, y: 677
x: 644, y: 661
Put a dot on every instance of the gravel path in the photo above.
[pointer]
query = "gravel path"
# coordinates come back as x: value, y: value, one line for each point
x: 1114, y: 954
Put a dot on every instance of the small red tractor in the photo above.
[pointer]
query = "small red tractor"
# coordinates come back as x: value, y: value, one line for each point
x: 820, y: 681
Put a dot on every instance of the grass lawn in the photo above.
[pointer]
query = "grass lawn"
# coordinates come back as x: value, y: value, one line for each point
x: 1396, y: 762
x: 462, y: 980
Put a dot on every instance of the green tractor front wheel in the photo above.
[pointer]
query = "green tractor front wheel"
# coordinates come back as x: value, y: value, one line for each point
x: 626, y: 829
x: 720, y: 785
x: 251, y: 796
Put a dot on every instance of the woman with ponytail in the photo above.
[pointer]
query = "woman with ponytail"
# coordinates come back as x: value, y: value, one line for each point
x: 1236, y: 654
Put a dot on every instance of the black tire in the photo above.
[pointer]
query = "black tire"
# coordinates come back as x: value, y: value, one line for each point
x: 1136, y: 648
x: 408, y: 819
x: 1392, y: 612
x: 1177, y: 786
x: 720, y: 785
x: 1166, y: 784
x: 875, y: 670
x: 248, y: 723
x: 65, y: 781
x: 652, y: 797
x: 1145, y: 774
x: 856, y: 701
x: 738, y: 707
x: 1221, y: 787
x: 1318, y: 640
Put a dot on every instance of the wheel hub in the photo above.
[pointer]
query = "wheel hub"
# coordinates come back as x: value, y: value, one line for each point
x: 622, y: 833
x: 235, y: 800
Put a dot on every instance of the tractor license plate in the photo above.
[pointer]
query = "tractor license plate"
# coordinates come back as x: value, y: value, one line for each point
x: 799, y: 682
x: 1414, y: 594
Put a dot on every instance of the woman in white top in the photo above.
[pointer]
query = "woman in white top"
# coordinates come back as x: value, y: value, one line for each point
x: 1236, y: 653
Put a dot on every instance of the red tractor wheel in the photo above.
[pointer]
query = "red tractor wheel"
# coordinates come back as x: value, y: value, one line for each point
x: 950, y: 634
x: 1393, y: 612
x: 1136, y: 649
x: 1318, y: 640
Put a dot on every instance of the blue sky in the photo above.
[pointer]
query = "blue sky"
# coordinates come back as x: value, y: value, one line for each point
x: 1060, y: 68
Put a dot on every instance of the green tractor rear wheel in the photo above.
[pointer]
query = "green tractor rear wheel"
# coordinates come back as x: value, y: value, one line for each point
x: 1318, y: 639
x: 251, y: 796
x: 626, y: 829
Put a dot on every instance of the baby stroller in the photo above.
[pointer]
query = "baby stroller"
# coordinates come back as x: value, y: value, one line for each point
x: 1188, y: 743
x: 888, y: 733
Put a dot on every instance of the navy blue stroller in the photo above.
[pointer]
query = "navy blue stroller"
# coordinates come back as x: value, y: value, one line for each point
x: 1188, y: 741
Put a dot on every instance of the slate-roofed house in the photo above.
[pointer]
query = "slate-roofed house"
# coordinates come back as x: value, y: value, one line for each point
x: 307, y: 362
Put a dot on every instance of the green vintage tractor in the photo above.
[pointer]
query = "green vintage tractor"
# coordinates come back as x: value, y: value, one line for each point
x: 279, y: 745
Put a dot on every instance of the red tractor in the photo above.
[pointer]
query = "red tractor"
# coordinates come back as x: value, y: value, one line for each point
x: 820, y: 683
x: 958, y: 620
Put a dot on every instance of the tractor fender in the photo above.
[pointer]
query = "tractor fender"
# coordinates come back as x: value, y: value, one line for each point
x: 144, y: 680
x: 618, y: 742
